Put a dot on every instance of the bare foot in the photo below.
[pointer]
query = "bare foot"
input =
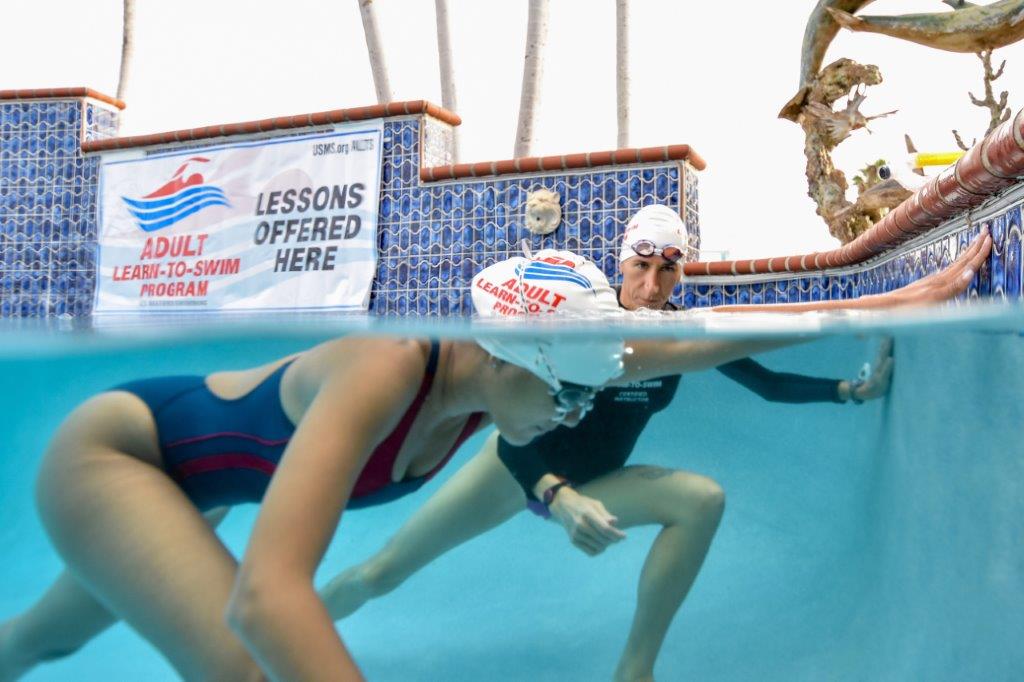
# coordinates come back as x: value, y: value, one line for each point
x: 344, y: 594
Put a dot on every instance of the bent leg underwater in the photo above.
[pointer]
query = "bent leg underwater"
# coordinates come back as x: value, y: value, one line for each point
x: 136, y: 542
x: 478, y: 497
x: 688, y: 507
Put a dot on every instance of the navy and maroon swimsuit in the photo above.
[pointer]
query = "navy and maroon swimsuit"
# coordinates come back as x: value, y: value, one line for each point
x: 223, y: 452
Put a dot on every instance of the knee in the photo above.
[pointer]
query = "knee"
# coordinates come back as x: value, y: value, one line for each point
x: 712, y: 497
x: 703, y: 499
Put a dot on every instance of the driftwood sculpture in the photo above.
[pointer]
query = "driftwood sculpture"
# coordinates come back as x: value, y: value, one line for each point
x: 821, y: 30
x: 968, y: 28
x: 824, y: 128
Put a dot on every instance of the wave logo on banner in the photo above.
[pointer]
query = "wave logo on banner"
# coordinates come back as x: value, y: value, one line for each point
x: 176, y: 200
x: 539, y: 270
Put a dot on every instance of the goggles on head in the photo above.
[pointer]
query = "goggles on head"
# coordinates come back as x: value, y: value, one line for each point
x: 646, y: 248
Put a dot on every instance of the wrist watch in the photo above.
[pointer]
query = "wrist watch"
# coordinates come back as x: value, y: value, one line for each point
x: 854, y: 385
x: 549, y: 494
x: 862, y: 378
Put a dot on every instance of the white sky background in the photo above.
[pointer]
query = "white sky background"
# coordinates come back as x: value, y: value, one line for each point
x: 709, y: 74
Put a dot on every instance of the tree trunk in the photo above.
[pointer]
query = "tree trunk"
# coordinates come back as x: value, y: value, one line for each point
x: 375, y: 51
x: 444, y: 58
x: 533, y: 68
x: 622, y: 71
x: 127, y: 47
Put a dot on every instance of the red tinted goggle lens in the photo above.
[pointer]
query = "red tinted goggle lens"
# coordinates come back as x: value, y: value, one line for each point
x: 647, y: 248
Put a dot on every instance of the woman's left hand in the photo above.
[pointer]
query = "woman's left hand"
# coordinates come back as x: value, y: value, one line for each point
x: 590, y: 526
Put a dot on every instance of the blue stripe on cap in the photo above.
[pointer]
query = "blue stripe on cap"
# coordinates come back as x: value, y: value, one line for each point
x: 547, y: 271
x: 558, y: 278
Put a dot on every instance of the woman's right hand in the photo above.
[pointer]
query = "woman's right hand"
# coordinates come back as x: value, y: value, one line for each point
x: 939, y: 287
x: 590, y: 526
x: 943, y: 285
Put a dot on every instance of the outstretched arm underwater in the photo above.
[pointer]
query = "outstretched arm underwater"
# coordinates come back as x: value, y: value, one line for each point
x: 787, y: 387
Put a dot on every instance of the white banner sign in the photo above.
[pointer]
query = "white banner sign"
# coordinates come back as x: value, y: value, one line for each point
x: 278, y: 224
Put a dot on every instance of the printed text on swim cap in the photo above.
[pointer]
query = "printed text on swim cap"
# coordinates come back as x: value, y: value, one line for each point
x: 509, y: 298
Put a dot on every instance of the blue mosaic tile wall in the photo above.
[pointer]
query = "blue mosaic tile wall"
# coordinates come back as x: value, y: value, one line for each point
x: 47, y: 201
x: 432, y: 237
x: 1000, y: 277
x: 435, y: 236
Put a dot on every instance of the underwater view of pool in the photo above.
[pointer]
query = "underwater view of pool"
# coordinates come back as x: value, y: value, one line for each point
x: 877, y: 541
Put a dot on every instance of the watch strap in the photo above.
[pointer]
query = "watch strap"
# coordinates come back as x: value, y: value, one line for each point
x: 549, y: 494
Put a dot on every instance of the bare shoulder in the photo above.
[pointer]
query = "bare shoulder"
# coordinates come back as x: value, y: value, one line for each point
x: 383, y: 358
x: 360, y: 386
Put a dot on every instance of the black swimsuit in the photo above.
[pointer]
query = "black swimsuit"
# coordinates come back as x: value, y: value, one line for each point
x: 605, y: 439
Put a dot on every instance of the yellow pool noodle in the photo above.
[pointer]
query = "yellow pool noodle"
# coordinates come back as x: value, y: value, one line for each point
x: 922, y: 159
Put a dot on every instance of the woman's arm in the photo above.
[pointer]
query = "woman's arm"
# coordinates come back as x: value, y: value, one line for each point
x: 589, y: 524
x: 783, y: 387
x: 479, y: 496
x: 274, y: 608
x: 936, y: 288
x: 653, y: 358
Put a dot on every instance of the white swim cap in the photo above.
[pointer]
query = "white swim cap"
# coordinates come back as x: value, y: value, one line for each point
x: 657, y: 224
x: 550, y: 282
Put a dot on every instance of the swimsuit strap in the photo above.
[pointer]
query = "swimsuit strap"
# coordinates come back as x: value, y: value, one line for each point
x: 435, y: 352
x: 428, y: 381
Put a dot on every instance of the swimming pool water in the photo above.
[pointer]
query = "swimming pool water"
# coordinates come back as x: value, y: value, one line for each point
x: 872, y: 542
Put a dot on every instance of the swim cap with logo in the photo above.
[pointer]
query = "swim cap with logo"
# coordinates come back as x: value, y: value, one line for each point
x: 558, y: 282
